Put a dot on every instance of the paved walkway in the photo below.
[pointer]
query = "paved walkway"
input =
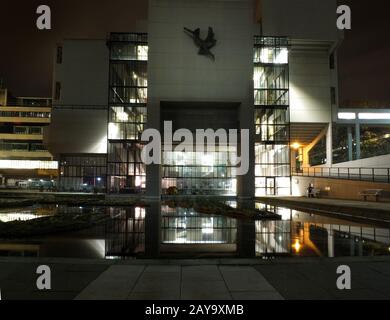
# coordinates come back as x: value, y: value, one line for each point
x: 223, y: 279
x: 180, y: 282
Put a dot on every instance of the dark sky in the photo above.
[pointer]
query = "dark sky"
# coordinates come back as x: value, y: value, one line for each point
x: 26, y: 53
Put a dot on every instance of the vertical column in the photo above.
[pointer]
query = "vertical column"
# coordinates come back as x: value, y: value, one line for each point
x: 246, y: 234
x: 329, y: 145
x: 246, y: 183
x: 330, y: 243
x: 352, y: 246
x: 153, y: 230
x: 153, y: 171
x: 350, y: 144
x: 357, y: 135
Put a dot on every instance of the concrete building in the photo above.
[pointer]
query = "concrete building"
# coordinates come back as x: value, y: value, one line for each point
x: 24, y: 158
x: 274, y: 73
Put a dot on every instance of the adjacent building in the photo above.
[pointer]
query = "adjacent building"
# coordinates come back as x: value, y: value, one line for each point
x: 24, y: 157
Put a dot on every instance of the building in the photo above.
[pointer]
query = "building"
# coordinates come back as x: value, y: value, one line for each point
x: 25, y: 161
x: 271, y: 74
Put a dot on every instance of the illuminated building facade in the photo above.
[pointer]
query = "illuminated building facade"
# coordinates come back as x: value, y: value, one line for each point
x: 270, y: 75
x: 24, y: 157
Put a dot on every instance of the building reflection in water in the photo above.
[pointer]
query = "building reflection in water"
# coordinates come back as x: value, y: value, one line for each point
x: 305, y: 234
x: 125, y: 232
x: 186, y: 226
x: 160, y: 231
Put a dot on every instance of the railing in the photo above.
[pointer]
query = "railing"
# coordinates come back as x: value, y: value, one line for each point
x: 30, y: 102
x: 24, y: 147
x: 24, y: 114
x: 359, y: 174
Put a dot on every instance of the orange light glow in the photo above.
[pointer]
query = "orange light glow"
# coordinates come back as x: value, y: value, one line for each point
x: 295, y: 146
x: 297, y: 246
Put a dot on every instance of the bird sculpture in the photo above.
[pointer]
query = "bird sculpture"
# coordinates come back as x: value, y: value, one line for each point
x: 203, y: 45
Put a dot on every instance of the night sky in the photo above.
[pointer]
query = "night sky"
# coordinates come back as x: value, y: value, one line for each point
x: 26, y: 54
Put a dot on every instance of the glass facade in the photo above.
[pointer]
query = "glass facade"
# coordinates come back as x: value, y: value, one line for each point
x: 317, y: 155
x: 272, y: 119
x: 125, y: 232
x: 127, y: 112
x: 197, y: 173
x: 374, y: 140
x: 82, y: 172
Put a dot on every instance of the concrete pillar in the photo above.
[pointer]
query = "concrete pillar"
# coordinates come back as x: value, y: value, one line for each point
x: 246, y: 183
x: 329, y: 146
x: 352, y: 246
x: 246, y: 235
x: 330, y: 243
x: 153, y: 172
x: 357, y: 139
x: 360, y: 248
x: 350, y: 144
x: 153, y: 230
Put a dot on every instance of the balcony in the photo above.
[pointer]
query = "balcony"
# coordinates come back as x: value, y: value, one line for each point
x: 25, y: 114
x: 24, y: 151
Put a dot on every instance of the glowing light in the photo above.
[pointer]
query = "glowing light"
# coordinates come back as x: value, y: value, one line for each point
x: 113, y: 131
x: 8, y: 217
x: 295, y: 145
x: 138, y: 181
x: 208, y: 160
x: 297, y: 246
x: 208, y: 226
x: 122, y: 116
x: 139, y: 213
x: 28, y: 164
x: 282, y: 57
x: 347, y: 115
x: 374, y: 116
x: 268, y: 56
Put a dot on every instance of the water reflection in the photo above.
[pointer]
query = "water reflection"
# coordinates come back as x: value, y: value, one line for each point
x: 304, y: 234
x: 161, y: 231
x: 186, y: 226
x: 24, y: 214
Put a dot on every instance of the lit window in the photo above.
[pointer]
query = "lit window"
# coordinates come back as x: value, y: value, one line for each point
x: 347, y: 115
x: 374, y: 116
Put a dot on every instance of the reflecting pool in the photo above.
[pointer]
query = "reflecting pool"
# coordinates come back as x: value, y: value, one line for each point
x: 160, y: 231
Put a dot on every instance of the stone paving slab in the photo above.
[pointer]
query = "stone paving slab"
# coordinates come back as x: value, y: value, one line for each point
x: 157, y: 283
x: 203, y: 283
x: 114, y: 284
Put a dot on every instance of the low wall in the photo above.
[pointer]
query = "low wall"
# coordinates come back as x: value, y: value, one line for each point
x: 338, y: 189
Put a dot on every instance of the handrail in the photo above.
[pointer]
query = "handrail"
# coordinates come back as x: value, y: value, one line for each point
x: 353, y: 173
